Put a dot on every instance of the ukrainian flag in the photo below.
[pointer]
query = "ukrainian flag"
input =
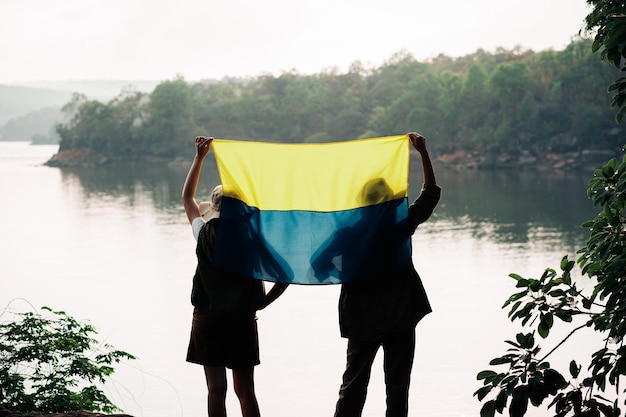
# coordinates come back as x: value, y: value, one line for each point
x: 325, y: 213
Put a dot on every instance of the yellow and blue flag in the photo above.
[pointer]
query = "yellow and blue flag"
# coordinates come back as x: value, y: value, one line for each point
x: 325, y: 213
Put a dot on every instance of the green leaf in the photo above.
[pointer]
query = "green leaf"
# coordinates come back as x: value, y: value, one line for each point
x: 536, y: 392
x: 557, y: 293
x: 502, y: 360
x: 545, y: 324
x: 566, y: 264
x: 501, y: 400
x: 525, y: 340
x: 488, y: 409
x: 514, y: 307
x: 600, y: 381
x: 514, y: 297
x: 482, y: 392
x: 486, y: 374
x: 519, y: 402
x: 613, y: 162
x: 534, y: 285
x: 574, y: 369
x: 554, y: 381
x: 587, y: 225
x: 564, y: 315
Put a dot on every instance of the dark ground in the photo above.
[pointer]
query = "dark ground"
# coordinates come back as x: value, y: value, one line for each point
x: 7, y: 413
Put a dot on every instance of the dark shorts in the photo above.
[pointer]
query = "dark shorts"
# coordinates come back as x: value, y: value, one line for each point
x: 219, y: 341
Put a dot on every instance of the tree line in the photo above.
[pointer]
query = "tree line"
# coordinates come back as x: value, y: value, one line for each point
x: 509, y: 99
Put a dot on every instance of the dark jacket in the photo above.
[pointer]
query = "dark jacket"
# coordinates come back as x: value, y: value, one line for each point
x: 219, y: 292
x: 371, y: 309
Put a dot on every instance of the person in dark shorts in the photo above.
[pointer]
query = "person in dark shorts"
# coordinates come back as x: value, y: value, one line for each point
x: 384, y: 312
x: 224, y: 328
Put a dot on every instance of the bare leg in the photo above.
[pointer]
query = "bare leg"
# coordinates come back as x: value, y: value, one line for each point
x: 243, y: 381
x: 216, y: 384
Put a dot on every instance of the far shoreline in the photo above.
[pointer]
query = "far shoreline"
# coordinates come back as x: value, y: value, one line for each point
x: 459, y: 159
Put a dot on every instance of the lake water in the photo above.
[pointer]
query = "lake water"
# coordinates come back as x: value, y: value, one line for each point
x: 112, y: 245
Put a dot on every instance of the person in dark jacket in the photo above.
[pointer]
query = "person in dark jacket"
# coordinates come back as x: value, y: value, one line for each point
x: 384, y: 311
x: 224, y: 329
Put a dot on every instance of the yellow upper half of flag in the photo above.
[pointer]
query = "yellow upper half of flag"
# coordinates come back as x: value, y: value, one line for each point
x: 320, y: 177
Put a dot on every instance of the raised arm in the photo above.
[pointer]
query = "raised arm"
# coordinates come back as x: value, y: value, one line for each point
x: 423, y: 206
x: 419, y: 143
x: 203, y: 144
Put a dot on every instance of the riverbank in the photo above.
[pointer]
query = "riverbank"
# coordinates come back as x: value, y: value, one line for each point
x: 519, y: 160
x: 458, y: 159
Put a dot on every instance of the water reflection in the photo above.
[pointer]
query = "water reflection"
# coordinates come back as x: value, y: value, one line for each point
x: 116, y: 249
x: 516, y: 207
x: 129, y: 184
x: 504, y: 206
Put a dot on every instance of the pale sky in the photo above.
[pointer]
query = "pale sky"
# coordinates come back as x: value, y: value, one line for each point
x: 158, y: 39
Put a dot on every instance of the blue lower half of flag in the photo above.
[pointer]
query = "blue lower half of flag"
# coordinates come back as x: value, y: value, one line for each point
x: 307, y: 247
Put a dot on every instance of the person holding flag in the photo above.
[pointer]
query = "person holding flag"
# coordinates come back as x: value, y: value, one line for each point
x: 384, y: 311
x: 224, y: 329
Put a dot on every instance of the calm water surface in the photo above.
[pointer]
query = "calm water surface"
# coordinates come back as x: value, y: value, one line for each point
x: 112, y: 245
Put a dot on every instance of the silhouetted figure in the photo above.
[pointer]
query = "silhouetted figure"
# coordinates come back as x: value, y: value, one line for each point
x: 384, y: 309
x: 224, y: 329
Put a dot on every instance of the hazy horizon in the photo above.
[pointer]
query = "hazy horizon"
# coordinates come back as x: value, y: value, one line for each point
x: 116, y: 40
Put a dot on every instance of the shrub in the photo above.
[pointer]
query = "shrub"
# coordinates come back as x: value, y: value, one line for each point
x: 530, y: 378
x: 52, y: 363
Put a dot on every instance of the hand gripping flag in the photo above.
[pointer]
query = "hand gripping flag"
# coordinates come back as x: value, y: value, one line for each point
x: 326, y: 213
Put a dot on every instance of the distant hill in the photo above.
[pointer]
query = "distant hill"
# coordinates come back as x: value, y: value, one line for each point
x: 36, y: 126
x: 96, y: 90
x: 19, y: 101
x: 22, y: 106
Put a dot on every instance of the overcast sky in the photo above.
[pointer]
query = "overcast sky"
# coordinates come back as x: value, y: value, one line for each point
x: 158, y: 39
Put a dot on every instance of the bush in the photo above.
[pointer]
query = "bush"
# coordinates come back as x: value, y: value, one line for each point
x: 530, y: 379
x: 51, y: 363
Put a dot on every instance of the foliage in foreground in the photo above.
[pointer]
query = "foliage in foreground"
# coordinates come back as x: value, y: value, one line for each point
x: 530, y: 378
x: 555, y: 296
x: 608, y: 18
x: 52, y: 364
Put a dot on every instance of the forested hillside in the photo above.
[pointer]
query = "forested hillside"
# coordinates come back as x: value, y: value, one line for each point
x: 532, y: 102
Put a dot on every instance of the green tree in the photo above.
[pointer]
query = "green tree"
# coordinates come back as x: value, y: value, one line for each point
x: 529, y: 379
x: 510, y: 85
x: 608, y: 20
x: 346, y: 111
x: 582, y: 78
x: 474, y: 104
x: 92, y: 127
x: 169, y: 119
x: 449, y: 104
x: 123, y: 134
x: 418, y: 107
x: 51, y: 363
x: 213, y: 107
x: 510, y: 99
x: 108, y: 129
x: 74, y: 132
